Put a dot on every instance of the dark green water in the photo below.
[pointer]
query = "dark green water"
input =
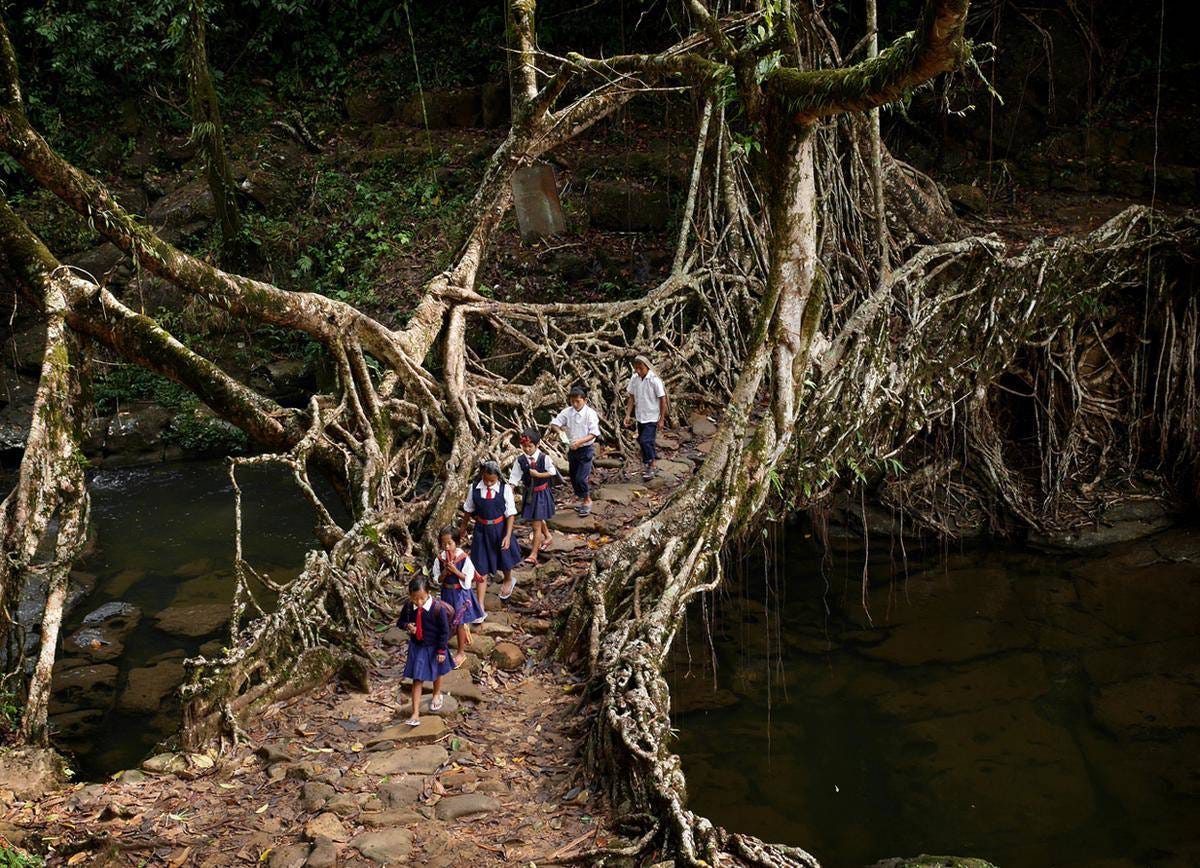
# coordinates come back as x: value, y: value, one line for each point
x: 164, y: 538
x: 1031, y: 709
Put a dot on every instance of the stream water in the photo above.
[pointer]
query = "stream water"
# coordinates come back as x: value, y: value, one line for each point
x: 164, y: 544
x: 1027, y: 708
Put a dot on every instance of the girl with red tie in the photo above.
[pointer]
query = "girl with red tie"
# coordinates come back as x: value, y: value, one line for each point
x: 428, y: 624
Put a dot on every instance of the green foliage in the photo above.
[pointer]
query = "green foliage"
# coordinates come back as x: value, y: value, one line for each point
x: 195, y: 432
x: 10, y: 714
x: 12, y: 857
x: 124, y: 384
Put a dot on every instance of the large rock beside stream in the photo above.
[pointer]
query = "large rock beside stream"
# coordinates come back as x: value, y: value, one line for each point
x: 148, y: 687
x: 28, y: 773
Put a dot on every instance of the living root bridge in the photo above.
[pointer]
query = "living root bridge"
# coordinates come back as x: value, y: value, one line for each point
x: 954, y: 318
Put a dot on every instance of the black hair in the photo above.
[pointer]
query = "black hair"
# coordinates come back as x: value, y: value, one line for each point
x: 451, y: 531
x: 579, y: 391
x: 489, y: 467
x: 532, y: 436
x: 417, y: 583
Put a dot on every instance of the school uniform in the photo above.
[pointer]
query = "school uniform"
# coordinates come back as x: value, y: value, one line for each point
x: 646, y: 392
x: 578, y: 424
x: 457, y: 592
x: 538, y: 502
x: 490, y: 505
x: 432, y: 637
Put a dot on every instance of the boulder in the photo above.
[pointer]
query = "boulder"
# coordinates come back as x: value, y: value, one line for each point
x: 135, y: 429
x: 423, y: 760
x: 968, y: 197
x: 23, y: 350
x: 369, y: 107
x: 701, y: 425
x: 148, y: 688
x: 481, y: 645
x: 184, y: 211
x: 29, y: 772
x: 97, y: 261
x: 459, y: 684
x: 402, y: 793
x: 323, y: 855
x: 343, y: 804
x: 193, y: 621
x: 508, y: 656
x: 626, y: 207
x: 470, y: 804
x: 326, y: 825
x: 386, y: 846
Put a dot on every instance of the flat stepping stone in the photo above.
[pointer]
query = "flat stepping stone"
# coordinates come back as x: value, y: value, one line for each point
x: 674, y: 467
x: 701, y: 425
x: 471, y: 804
x: 385, y: 846
x: 459, y: 684
x: 481, y: 646
x: 492, y: 627
x: 449, y: 706
x: 193, y: 621
x: 289, y: 856
x: 562, y: 544
x: 623, y: 494
x: 569, y: 521
x: 403, y: 793
x: 326, y: 825
x: 403, y: 734
x: 423, y: 760
x: 388, y: 819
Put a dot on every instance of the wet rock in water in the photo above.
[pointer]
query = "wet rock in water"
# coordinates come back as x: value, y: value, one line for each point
x: 29, y: 772
x: 195, y: 568
x: 1123, y: 522
x: 193, y: 621
x: 93, y: 686
x: 102, y: 633
x: 1010, y: 741
x: 947, y: 641
x: 423, y: 760
x: 149, y: 687
x: 288, y: 856
x: 386, y: 846
x: 1126, y: 662
x: 314, y: 795
x: 989, y: 682
x: 508, y: 656
x: 1151, y: 707
x: 471, y: 804
x: 691, y: 694
x: 326, y: 825
x: 1153, y: 603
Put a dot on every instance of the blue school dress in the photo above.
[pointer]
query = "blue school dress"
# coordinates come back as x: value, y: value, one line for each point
x: 462, y: 600
x: 539, y: 498
x: 486, y: 553
x: 431, y: 638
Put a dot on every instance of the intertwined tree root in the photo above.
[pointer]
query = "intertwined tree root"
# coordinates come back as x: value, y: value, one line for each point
x: 825, y: 369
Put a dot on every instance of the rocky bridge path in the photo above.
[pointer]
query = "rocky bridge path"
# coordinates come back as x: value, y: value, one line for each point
x: 335, y: 777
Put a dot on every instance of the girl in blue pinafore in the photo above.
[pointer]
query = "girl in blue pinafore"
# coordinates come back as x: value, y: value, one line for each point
x: 534, y: 470
x: 493, y: 549
x: 428, y: 624
x: 454, y: 572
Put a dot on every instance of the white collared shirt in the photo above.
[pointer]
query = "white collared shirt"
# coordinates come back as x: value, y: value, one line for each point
x: 467, y: 569
x: 428, y: 604
x: 516, y: 477
x: 510, y: 505
x: 646, y: 393
x: 578, y: 423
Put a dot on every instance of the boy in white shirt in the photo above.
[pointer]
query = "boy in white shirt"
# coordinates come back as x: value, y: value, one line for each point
x: 647, y: 404
x: 579, y: 426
